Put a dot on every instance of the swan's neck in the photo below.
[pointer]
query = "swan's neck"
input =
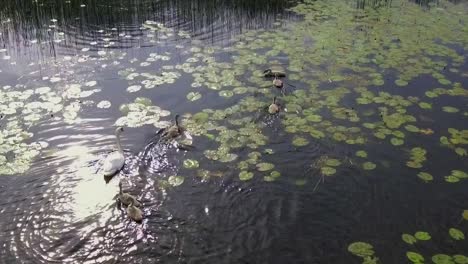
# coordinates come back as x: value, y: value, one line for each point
x: 119, y: 146
x: 177, y: 121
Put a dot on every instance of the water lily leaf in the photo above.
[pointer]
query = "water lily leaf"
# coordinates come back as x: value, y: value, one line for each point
x: 361, y: 249
x: 420, y: 235
x: 133, y: 88
x: 425, y: 105
x: 397, y: 141
x: 450, y: 109
x: 368, y: 165
x: 459, y: 174
x: 451, y: 179
x: 425, y: 176
x: 408, y: 239
x: 265, y: 166
x: 465, y: 214
x: 412, y: 128
x: 361, y: 153
x: 175, y: 180
x: 400, y: 82
x: 333, y: 162
x: 193, y: 96
x: 461, y: 151
x: 456, y: 234
x: 191, y: 164
x: 442, y: 259
x: 460, y: 259
x: 226, y: 93
x: 245, y: 175
x: 415, y: 257
x: 314, y: 118
x: 299, y: 141
x: 328, y: 171
x: 104, y: 104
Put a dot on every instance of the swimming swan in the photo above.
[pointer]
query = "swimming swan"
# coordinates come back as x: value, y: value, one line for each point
x: 134, y: 212
x: 126, y: 198
x: 115, y: 160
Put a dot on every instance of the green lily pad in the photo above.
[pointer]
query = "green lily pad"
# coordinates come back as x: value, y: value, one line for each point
x: 420, y: 235
x: 314, y: 118
x: 461, y: 151
x: 328, y: 171
x: 193, y: 96
x: 459, y: 174
x: 191, y: 164
x: 450, y: 109
x: 361, y: 249
x: 465, y: 214
x: 265, y: 166
x: 400, y: 82
x: 299, y: 141
x: 333, y: 162
x: 442, y: 259
x: 245, y: 175
x: 456, y: 234
x: 412, y: 128
x: 175, y: 180
x: 226, y: 93
x: 451, y: 179
x: 368, y: 165
x: 460, y: 259
x: 425, y: 176
x: 408, y: 239
x: 425, y: 105
x: 361, y: 153
x: 415, y: 257
x: 397, y: 141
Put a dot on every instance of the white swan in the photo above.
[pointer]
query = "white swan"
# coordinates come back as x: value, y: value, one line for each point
x: 126, y: 198
x: 115, y: 160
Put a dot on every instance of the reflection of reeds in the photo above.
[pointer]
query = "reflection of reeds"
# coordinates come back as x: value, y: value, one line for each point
x: 215, y: 20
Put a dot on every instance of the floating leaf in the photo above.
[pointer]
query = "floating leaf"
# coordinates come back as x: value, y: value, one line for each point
x: 226, y: 93
x: 104, y: 104
x: 450, y: 109
x: 264, y: 166
x: 361, y: 153
x: 461, y: 151
x: 408, y: 239
x: 459, y: 174
x: 299, y: 141
x: 460, y: 259
x: 191, y: 164
x: 245, y: 175
x: 193, y: 96
x: 361, y: 249
x: 368, y: 165
x: 425, y: 176
x: 328, y: 171
x: 465, y: 214
x: 333, y: 162
x: 175, y: 180
x: 456, y: 234
x: 414, y: 257
x: 420, y: 235
x: 397, y: 141
x: 425, y: 105
x: 133, y: 88
x: 412, y: 128
x: 442, y: 259
x: 451, y: 179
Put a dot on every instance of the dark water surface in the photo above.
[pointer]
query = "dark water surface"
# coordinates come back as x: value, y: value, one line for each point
x: 54, y: 208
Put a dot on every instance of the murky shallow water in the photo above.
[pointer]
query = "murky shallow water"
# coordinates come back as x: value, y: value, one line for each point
x: 88, y: 53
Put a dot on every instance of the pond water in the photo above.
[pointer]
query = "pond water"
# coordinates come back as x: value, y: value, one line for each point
x: 365, y: 162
